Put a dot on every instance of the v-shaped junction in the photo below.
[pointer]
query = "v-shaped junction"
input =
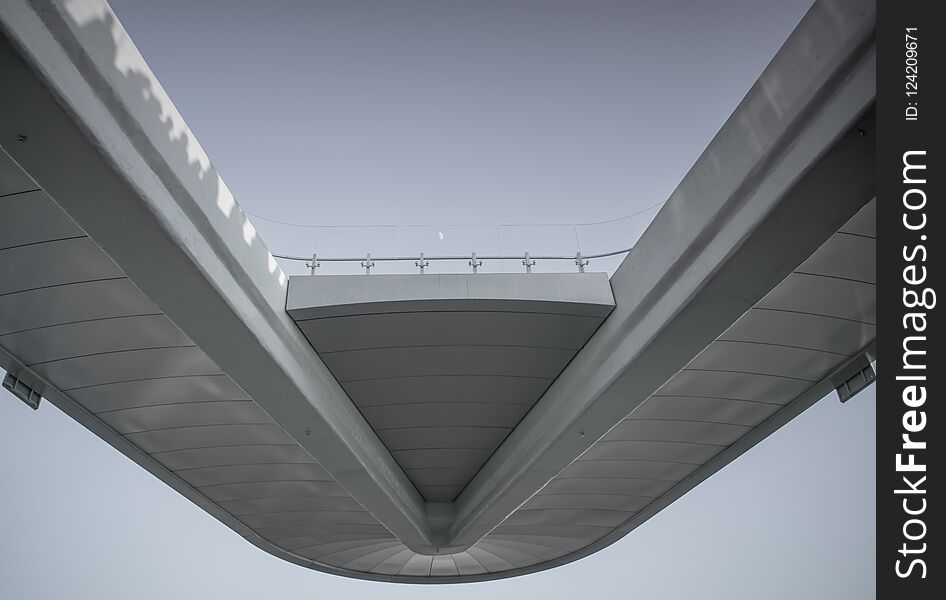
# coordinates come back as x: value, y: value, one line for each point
x: 426, y: 428
x: 443, y: 367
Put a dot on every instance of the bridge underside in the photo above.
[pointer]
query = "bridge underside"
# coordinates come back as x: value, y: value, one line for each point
x: 422, y: 428
x: 443, y: 367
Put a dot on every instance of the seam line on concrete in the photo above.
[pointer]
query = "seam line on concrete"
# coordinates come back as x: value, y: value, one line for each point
x: 751, y: 373
x: 438, y: 448
x: 860, y: 235
x: 440, y: 485
x: 386, y: 546
x: 613, y: 510
x: 471, y: 403
x: 55, y: 285
x: 450, y: 346
x: 626, y: 460
x: 593, y: 494
x: 83, y: 387
x: 62, y: 239
x: 355, y: 536
x: 210, y: 485
x: 501, y: 547
x: 561, y: 478
x: 811, y: 314
x: 441, y: 469
x: 513, y: 527
x: 371, y: 568
x: 604, y: 441
x: 314, y: 510
x: 715, y: 398
x: 115, y: 410
x: 835, y: 277
x: 206, y: 425
x: 477, y: 561
x: 732, y: 341
x: 631, y: 418
x: 221, y: 446
x: 77, y: 356
x: 447, y: 375
x: 2, y: 196
x: 64, y: 323
x: 500, y: 427
x: 267, y: 464
x: 253, y: 498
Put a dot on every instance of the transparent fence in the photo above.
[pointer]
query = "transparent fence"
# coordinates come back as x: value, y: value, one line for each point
x: 345, y: 249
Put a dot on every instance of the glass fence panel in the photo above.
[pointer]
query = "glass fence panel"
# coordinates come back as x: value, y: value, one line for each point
x: 344, y: 249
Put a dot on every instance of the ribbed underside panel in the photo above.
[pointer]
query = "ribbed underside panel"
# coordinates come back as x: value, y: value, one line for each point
x: 443, y: 367
x: 70, y: 315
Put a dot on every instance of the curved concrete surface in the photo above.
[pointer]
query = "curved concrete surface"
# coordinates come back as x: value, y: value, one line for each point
x: 136, y: 297
x: 443, y: 367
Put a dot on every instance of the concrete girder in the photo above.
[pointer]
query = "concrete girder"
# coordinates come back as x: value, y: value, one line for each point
x: 789, y: 167
x: 88, y: 105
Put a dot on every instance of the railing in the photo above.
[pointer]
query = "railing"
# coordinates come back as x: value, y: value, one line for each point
x: 334, y: 249
x: 421, y: 262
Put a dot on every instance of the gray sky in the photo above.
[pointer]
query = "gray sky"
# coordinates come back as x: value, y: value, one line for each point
x: 477, y: 112
x: 451, y: 112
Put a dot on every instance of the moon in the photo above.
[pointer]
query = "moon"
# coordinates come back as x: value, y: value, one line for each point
x: 440, y: 234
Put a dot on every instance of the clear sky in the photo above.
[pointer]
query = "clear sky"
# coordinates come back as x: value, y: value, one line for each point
x: 456, y: 112
x: 448, y: 112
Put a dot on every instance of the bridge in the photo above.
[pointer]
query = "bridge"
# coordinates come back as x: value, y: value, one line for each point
x: 427, y: 428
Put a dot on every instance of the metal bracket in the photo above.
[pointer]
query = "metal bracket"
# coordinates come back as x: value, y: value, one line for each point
x: 421, y: 263
x: 475, y: 263
x: 857, y: 382
x: 367, y: 264
x: 581, y: 262
x: 315, y: 264
x: 28, y: 395
x: 528, y: 263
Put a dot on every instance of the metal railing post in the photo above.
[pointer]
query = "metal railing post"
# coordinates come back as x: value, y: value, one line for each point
x: 421, y: 263
x: 475, y: 263
x: 581, y: 262
x: 315, y: 264
x: 528, y: 263
x: 367, y: 264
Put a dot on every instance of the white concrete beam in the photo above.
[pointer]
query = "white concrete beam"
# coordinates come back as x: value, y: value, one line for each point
x: 788, y: 168
x: 105, y: 141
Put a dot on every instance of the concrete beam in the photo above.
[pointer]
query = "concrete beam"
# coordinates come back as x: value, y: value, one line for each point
x: 103, y: 139
x: 790, y: 166
x: 586, y: 294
